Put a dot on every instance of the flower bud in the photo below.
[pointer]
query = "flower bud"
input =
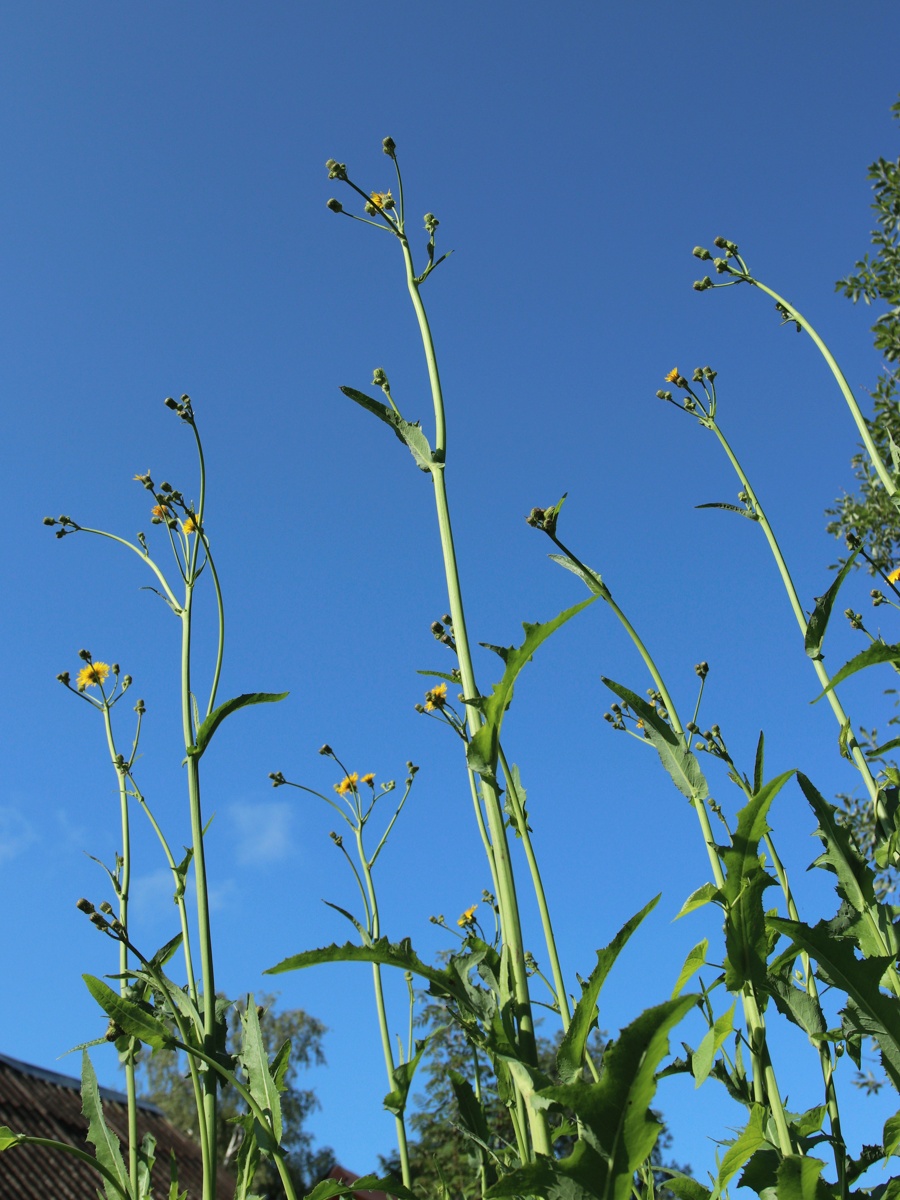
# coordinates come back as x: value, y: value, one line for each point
x: 84, y: 655
x: 277, y: 778
x: 389, y: 146
x: 335, y: 205
x: 720, y: 242
x: 84, y: 906
x: 702, y: 669
x: 700, y: 285
x: 431, y: 222
x: 106, y: 907
x: 170, y: 402
x: 326, y: 750
x: 701, y: 252
x: 63, y: 678
x: 49, y: 521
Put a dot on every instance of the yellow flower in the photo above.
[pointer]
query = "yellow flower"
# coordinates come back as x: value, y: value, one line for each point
x: 672, y: 375
x: 91, y: 675
x: 189, y: 525
x: 436, y: 698
x: 347, y: 784
x: 382, y: 199
x: 159, y: 510
x: 369, y: 779
x: 894, y: 575
x: 468, y: 917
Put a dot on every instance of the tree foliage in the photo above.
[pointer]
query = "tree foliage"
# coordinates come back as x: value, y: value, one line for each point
x: 164, y: 1081
x: 868, y: 512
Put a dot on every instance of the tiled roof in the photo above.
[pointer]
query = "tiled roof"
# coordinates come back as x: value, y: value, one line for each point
x: 45, y: 1104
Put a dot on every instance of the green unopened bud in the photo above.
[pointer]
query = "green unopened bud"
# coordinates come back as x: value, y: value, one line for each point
x: 85, y: 906
x: 710, y: 373
x: 697, y: 376
x: 335, y: 205
x: 702, y: 669
x: 170, y: 402
x: 140, y: 708
x: 126, y: 683
x: 389, y: 146
x: 664, y: 395
x: 277, y: 778
x: 379, y: 378
x: 336, y: 170
x: 84, y: 655
x: 326, y: 750
x: 431, y: 222
x: 720, y: 242
x: 63, y: 678
x: 49, y: 521
x: 720, y: 264
x: 700, y: 285
x: 107, y: 908
x: 701, y: 252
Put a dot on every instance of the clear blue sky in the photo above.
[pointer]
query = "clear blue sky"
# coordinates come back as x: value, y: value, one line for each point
x: 165, y: 231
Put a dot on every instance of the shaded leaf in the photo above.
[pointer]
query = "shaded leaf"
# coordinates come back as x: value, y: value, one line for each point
x: 798, y: 1179
x: 410, y: 434
x: 751, y: 1139
x: 818, y: 622
x: 263, y: 1089
x: 679, y: 761
x: 592, y: 579
x: 694, y: 961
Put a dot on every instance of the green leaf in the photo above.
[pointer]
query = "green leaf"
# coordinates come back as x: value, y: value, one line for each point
x: 410, y: 434
x: 7, y: 1138
x: 751, y: 1139
x: 263, y: 1089
x: 818, y: 622
x: 795, y: 1003
x: 135, y: 1021
x: 390, y: 954
x: 218, y: 715
x: 104, y: 1141
x: 616, y: 1110
x: 146, y: 1159
x: 856, y: 883
x: 687, y: 1188
x: 246, y: 1164
x: 402, y: 1075
x: 878, y: 652
x: 702, y: 1060
x: 703, y: 895
x: 798, y: 1179
x: 871, y: 1011
x: 570, y: 1056
x: 694, y: 961
x: 891, y: 1136
x: 483, y: 748
x: 735, y: 508
x: 759, y: 762
x: 679, y: 761
x: 592, y: 579
x: 329, y: 1188
x: 471, y: 1114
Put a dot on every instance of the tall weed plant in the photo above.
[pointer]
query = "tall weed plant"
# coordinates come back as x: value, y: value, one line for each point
x: 584, y: 1125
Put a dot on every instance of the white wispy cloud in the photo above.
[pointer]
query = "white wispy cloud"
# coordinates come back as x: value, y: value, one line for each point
x: 16, y: 833
x: 262, y: 831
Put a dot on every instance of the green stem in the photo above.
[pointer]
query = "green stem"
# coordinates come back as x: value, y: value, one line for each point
x: 506, y: 892
x: 124, y: 886
x: 53, y: 1144
x: 374, y: 933
x: 210, y: 1082
x: 883, y: 474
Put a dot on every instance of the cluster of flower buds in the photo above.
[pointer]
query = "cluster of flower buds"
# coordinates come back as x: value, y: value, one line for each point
x: 855, y: 618
x: 442, y: 634
x: 183, y: 407
x: 431, y: 223
x: 113, y: 927
x: 702, y: 669
x: 277, y: 778
x: 66, y: 523
x: 336, y: 170
x: 545, y: 519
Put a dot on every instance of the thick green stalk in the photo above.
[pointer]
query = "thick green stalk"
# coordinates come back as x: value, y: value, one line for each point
x: 124, y: 888
x: 210, y: 1082
x: 506, y: 891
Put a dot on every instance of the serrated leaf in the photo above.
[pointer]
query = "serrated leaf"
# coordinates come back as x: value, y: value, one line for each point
x: 795, y: 1003
x: 483, y: 749
x: 327, y: 1189
x: 692, y: 964
x: 735, y: 508
x: 101, y: 1137
x: 878, y: 652
x: 818, y: 622
x: 402, y: 1075
x: 263, y: 1089
x: 891, y: 1136
x: 570, y: 1056
x: 130, y: 1017
x: 687, y: 1188
x: 391, y: 954
x: 703, y: 895
x: 798, y: 1179
x: 360, y: 928
x: 217, y: 716
x: 751, y: 1139
x: 680, y: 762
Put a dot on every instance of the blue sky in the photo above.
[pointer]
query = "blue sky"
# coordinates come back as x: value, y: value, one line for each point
x: 164, y: 210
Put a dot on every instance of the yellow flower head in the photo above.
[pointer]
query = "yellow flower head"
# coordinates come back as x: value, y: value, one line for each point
x: 91, y: 674
x: 436, y: 698
x: 159, y: 510
x: 347, y: 784
x: 894, y: 575
x: 468, y: 917
x: 369, y: 779
x: 382, y: 199
x: 189, y: 525
x: 672, y: 375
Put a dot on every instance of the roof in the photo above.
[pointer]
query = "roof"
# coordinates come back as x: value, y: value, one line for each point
x: 43, y: 1103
